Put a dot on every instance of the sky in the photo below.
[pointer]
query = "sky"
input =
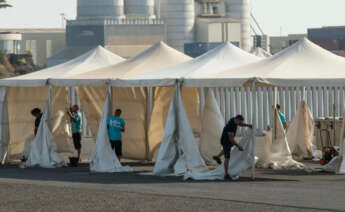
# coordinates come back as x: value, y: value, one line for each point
x: 276, y: 17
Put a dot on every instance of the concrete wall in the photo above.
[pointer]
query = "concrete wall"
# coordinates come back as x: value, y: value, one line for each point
x: 217, y: 31
x: 43, y: 45
x: 132, y: 34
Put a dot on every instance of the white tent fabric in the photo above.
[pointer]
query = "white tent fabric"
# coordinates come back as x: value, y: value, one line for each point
x: 302, y: 64
x: 91, y: 60
x: 155, y: 58
x: 133, y: 101
x: 240, y: 161
x: 212, y: 124
x: 21, y: 100
x: 260, y: 52
x: 4, y: 127
x: 104, y: 158
x: 277, y: 154
x: 300, y: 132
x: 223, y: 57
x: 60, y: 122
x: 43, y: 148
x: 337, y: 164
x: 178, y: 152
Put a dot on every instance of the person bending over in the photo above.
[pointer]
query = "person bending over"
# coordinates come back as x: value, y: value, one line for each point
x: 36, y: 112
x: 116, y: 126
x: 76, y: 121
x: 228, y: 141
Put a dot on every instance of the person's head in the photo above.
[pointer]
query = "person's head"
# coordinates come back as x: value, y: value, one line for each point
x: 36, y: 112
x: 75, y: 108
x: 239, y: 119
x: 118, y: 112
x: 278, y: 107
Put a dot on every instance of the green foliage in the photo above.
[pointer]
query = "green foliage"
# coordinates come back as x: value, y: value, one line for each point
x: 3, y: 4
x: 28, y: 52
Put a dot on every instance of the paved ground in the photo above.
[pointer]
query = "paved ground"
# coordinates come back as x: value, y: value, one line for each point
x: 75, y: 189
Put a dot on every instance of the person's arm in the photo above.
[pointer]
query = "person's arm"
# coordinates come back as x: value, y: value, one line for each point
x: 123, y: 128
x: 285, y: 125
x: 70, y: 116
x: 232, y: 140
x: 246, y: 125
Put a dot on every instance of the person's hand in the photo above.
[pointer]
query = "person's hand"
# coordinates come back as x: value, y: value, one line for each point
x: 250, y: 126
x: 240, y: 148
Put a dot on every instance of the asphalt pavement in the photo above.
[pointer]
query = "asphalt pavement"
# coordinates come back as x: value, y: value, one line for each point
x: 76, y: 189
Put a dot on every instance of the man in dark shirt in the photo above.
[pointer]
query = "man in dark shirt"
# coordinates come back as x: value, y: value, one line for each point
x: 36, y: 112
x: 228, y: 141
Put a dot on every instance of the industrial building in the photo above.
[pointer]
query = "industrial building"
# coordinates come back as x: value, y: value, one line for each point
x: 128, y: 27
x: 331, y: 38
x: 278, y: 43
x: 41, y: 43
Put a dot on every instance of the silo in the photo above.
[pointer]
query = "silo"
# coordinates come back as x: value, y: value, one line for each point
x: 141, y: 8
x: 241, y: 10
x: 95, y: 9
x: 179, y: 16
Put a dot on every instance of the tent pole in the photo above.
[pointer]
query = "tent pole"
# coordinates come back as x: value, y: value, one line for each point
x: 49, y: 120
x: 303, y: 93
x: 254, y: 131
x: 275, y: 101
x: 149, y: 109
x: 334, y: 114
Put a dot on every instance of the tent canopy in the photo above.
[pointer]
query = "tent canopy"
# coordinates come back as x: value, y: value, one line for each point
x: 155, y: 58
x: 302, y: 64
x: 223, y: 57
x: 260, y: 52
x: 95, y: 58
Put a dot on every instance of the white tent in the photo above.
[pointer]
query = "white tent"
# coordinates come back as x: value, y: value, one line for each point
x: 157, y: 57
x: 42, y: 150
x: 104, y: 158
x: 302, y: 64
x: 178, y: 153
x: 29, y: 91
x: 133, y: 100
x: 221, y: 58
x: 277, y: 154
x: 300, y: 132
x: 260, y: 52
x: 212, y: 124
x: 240, y: 161
x: 94, y: 59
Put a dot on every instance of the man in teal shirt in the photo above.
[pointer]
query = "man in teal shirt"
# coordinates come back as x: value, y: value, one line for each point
x: 76, y: 120
x: 116, y: 126
x: 282, y: 117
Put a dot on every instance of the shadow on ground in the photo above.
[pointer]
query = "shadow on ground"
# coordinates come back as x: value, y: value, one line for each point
x: 81, y: 174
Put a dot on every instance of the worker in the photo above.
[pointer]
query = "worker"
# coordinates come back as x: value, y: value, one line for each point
x: 228, y: 141
x: 116, y: 126
x: 37, y: 113
x: 76, y: 122
x: 282, y: 117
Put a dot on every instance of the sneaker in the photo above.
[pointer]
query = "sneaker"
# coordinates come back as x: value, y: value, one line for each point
x: 227, y: 177
x: 217, y: 159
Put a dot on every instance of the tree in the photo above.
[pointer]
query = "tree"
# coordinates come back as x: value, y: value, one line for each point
x: 3, y: 4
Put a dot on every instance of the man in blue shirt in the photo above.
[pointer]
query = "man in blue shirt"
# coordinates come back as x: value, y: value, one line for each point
x: 282, y: 117
x: 116, y: 126
x: 76, y: 120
